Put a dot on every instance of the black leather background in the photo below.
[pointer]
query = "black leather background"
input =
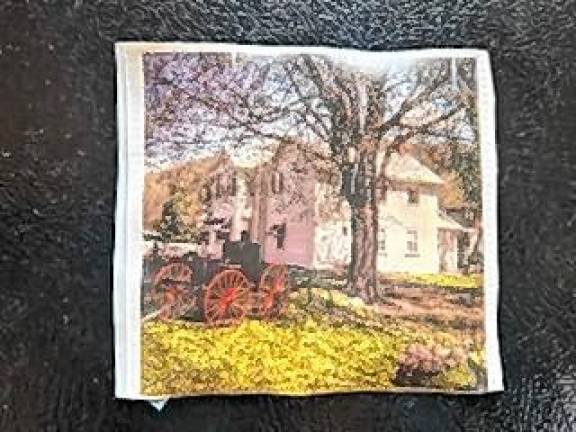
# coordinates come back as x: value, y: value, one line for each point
x: 57, y: 178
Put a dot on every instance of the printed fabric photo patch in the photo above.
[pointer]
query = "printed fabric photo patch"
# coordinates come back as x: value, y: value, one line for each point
x: 304, y: 220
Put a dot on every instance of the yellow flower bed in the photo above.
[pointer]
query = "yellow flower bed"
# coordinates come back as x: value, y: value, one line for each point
x: 263, y: 357
x: 443, y: 280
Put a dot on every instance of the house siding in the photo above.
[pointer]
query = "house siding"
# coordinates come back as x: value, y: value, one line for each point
x: 332, y: 247
x: 318, y: 230
x: 332, y: 241
x: 331, y: 236
x: 421, y: 218
x: 290, y: 206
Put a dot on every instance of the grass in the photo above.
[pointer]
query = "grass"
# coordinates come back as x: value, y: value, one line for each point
x: 451, y: 281
x: 327, y: 342
x: 440, y: 280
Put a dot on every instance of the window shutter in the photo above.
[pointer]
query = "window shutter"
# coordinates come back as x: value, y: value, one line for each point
x: 277, y: 182
x: 205, y: 193
x: 232, y: 186
x: 218, y: 186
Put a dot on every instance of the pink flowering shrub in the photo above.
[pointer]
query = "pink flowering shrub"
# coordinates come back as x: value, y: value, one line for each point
x: 419, y: 364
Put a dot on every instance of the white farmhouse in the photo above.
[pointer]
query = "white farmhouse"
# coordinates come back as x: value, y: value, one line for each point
x: 297, y: 218
x: 414, y: 234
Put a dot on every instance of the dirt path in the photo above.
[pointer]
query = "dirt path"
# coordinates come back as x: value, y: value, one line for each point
x: 433, y: 303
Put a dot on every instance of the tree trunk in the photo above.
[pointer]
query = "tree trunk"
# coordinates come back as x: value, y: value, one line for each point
x: 259, y: 221
x: 263, y: 223
x: 473, y: 246
x: 362, y: 274
x: 361, y: 195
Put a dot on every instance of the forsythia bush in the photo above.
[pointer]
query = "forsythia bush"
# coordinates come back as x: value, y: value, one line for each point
x: 335, y: 345
x: 257, y: 356
x: 443, y: 280
x: 434, y: 366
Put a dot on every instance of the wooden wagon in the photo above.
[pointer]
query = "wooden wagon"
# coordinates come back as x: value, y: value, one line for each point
x: 222, y: 291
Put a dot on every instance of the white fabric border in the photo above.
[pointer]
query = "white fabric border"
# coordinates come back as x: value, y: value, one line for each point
x: 489, y: 168
x: 128, y: 233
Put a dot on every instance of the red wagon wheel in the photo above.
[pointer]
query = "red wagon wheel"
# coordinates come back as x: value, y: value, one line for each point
x: 227, y: 298
x: 173, y: 273
x: 169, y: 287
x: 274, y: 289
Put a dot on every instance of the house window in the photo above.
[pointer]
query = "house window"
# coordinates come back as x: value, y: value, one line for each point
x: 218, y: 186
x: 344, y: 231
x: 382, y: 241
x: 412, y: 242
x: 413, y: 196
x: 205, y: 193
x: 277, y: 182
x: 204, y: 237
x: 232, y: 186
x: 279, y: 232
x: 224, y: 186
x: 223, y: 235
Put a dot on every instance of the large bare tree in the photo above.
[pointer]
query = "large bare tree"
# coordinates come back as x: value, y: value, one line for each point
x: 349, y: 119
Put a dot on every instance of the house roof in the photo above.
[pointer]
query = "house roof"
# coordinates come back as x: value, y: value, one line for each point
x: 446, y: 222
x: 406, y: 168
x: 391, y: 220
